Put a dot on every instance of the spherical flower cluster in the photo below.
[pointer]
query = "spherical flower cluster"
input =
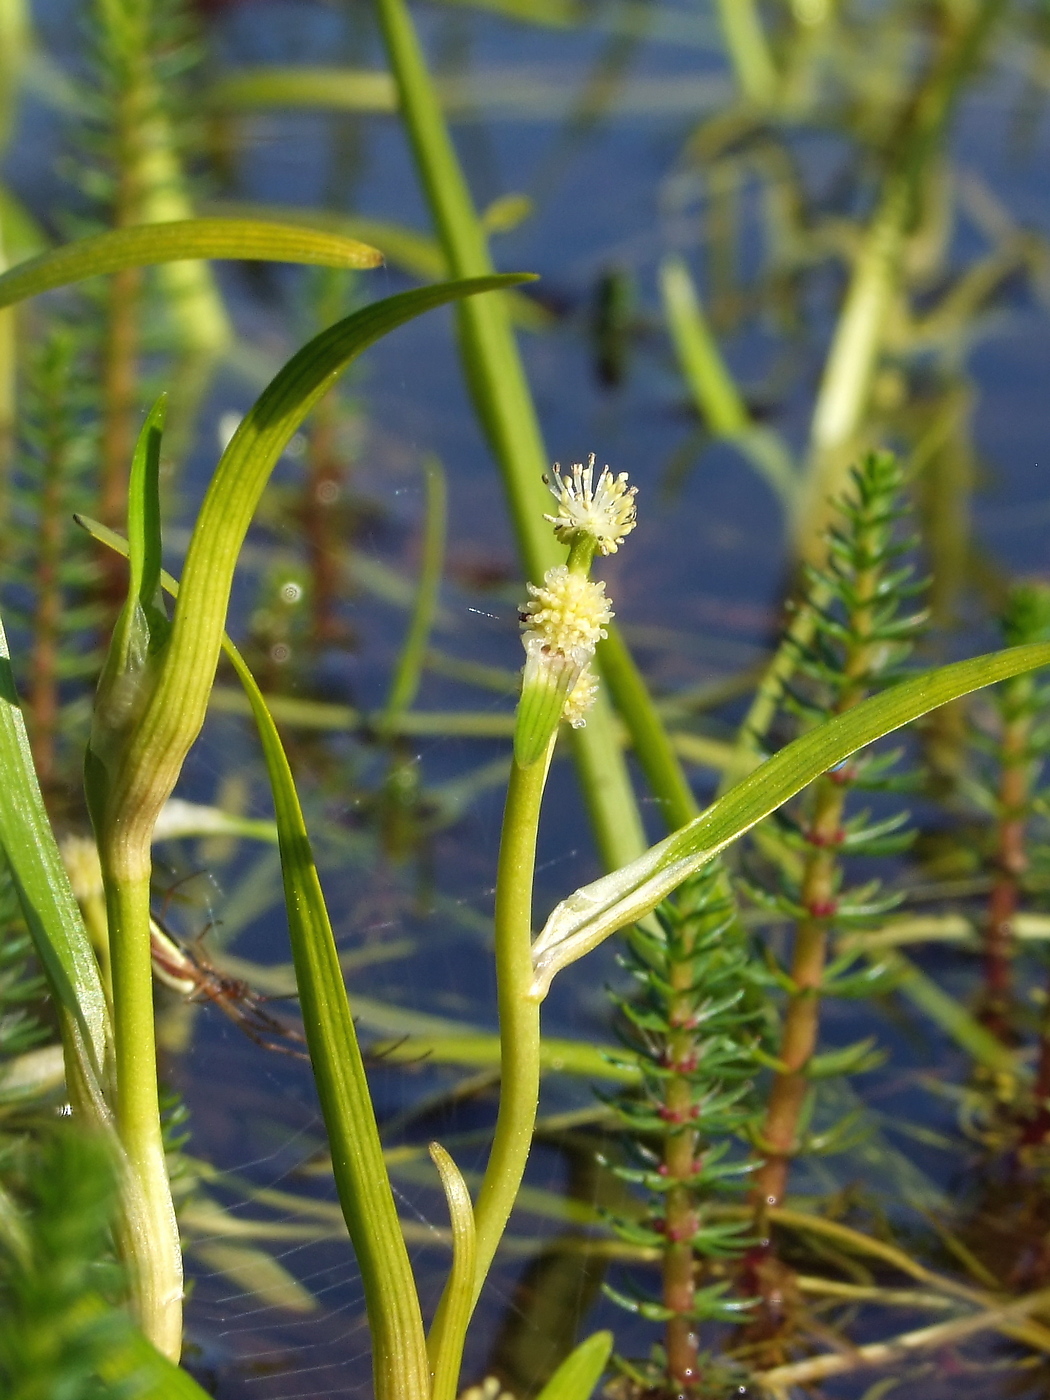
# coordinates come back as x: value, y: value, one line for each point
x: 580, y: 699
x: 568, y: 611
x: 606, y: 512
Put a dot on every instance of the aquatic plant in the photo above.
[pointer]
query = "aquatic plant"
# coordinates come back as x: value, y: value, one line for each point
x: 691, y: 1029
x: 863, y: 627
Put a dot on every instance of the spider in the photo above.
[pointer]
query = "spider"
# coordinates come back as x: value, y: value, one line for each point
x: 194, y: 977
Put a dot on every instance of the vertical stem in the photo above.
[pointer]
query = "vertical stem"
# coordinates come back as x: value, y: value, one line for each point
x: 842, y: 399
x: 42, y: 697
x: 119, y: 397
x: 519, y: 1026
x: 802, y: 1022
x: 817, y: 896
x: 681, y: 1220
x: 149, y: 1234
x: 748, y: 50
x: 659, y: 761
x: 405, y: 683
x: 1011, y: 859
x: 500, y: 393
x: 519, y: 1014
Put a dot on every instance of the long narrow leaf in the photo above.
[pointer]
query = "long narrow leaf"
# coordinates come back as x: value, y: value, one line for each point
x: 399, y: 1355
x: 47, y: 901
x: 145, y: 245
x: 174, y: 713
x: 582, y: 921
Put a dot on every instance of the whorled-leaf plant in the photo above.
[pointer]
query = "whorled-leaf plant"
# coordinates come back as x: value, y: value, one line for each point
x: 691, y: 1028
x: 863, y: 627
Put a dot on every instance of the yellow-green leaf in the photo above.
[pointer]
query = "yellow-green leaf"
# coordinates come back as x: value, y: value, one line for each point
x: 145, y: 245
x: 591, y: 914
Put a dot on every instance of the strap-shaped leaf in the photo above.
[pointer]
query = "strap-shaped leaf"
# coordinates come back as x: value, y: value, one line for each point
x: 182, y: 240
x: 582, y: 921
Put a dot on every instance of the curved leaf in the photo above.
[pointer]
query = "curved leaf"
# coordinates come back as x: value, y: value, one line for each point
x: 182, y: 240
x: 361, y: 1178
x: 446, y: 1357
x: 173, y: 715
x: 582, y: 921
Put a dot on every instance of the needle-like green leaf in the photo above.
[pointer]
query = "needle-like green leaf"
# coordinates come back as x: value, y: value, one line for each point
x: 182, y: 240
x: 582, y: 921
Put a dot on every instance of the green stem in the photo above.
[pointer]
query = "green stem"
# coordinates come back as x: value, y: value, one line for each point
x: 519, y: 1026
x: 842, y: 399
x: 149, y: 1233
x: 519, y: 1014
x: 748, y: 50
x: 705, y: 371
x: 659, y: 761
x: 500, y: 392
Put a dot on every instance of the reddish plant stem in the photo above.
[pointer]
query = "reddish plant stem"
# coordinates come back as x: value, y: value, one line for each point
x: 43, y: 696
x: 1011, y: 859
x: 802, y: 1021
x: 818, y: 898
x: 681, y: 1220
x: 133, y: 101
x: 323, y: 493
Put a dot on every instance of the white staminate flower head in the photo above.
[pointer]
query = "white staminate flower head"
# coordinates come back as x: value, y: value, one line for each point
x: 605, y: 511
x: 580, y: 699
x: 568, y: 611
x: 563, y: 621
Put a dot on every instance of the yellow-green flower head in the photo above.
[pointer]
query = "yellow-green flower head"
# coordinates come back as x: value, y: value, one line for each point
x: 605, y: 511
x: 580, y: 699
x: 568, y: 612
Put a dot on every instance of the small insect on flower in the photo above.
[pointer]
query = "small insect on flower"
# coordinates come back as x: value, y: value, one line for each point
x: 605, y: 511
